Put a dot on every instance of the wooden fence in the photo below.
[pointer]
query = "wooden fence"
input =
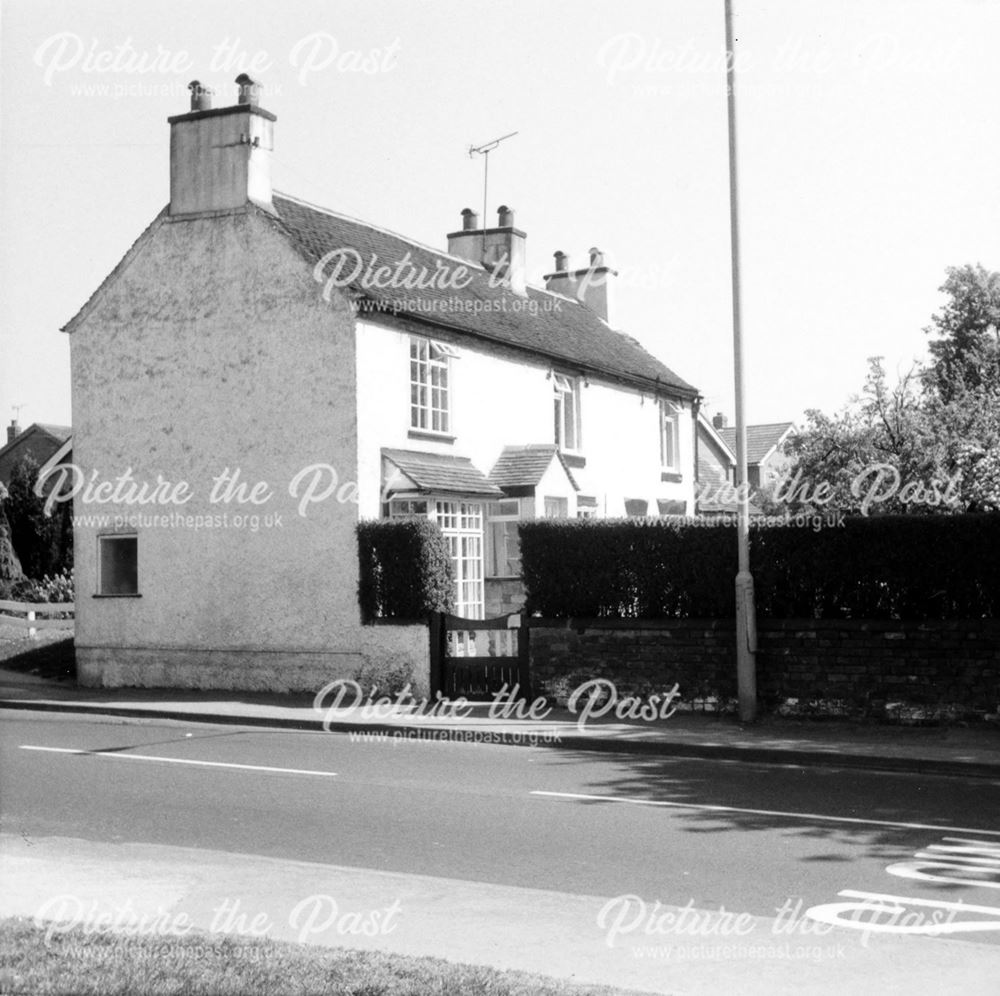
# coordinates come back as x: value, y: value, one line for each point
x: 26, y: 615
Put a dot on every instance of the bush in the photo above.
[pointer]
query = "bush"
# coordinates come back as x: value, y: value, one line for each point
x: 406, y: 570
x: 882, y: 567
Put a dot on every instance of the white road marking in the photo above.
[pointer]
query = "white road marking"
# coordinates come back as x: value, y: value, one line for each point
x: 962, y: 907
x: 180, y: 760
x: 762, y: 812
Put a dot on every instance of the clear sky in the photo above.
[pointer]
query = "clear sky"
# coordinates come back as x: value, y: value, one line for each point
x: 868, y: 137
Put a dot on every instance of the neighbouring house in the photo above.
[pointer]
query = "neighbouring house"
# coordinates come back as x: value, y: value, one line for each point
x: 40, y: 441
x: 715, y: 464
x: 258, y: 373
x: 767, y: 462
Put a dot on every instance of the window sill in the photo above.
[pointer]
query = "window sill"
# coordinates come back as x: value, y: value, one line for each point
x: 103, y: 595
x: 675, y: 477
x: 440, y: 437
x: 574, y: 460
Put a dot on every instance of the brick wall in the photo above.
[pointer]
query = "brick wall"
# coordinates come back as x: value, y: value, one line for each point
x: 914, y: 670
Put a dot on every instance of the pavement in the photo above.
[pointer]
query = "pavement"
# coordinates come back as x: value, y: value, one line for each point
x: 963, y: 750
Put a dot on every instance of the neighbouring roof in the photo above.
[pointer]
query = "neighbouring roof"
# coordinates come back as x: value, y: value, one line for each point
x: 524, y: 466
x: 443, y: 473
x: 761, y: 439
x: 560, y: 328
x: 59, y: 433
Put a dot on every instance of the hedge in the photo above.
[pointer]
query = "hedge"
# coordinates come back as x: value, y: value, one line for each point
x: 880, y: 567
x: 405, y: 570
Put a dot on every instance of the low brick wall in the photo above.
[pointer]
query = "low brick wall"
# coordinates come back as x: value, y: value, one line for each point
x: 892, y: 669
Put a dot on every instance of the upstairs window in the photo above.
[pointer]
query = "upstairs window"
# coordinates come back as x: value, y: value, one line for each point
x: 430, y: 385
x: 670, y: 436
x: 566, y: 396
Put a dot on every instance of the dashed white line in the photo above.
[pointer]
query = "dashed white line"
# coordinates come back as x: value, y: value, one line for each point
x: 762, y: 812
x: 180, y: 760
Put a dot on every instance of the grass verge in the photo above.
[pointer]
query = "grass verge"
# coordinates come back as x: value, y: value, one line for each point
x: 107, y: 964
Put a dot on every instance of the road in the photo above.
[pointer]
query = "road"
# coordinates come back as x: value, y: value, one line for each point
x: 710, y: 835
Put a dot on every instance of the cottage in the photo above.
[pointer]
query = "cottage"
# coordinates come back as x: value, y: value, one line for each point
x: 338, y: 371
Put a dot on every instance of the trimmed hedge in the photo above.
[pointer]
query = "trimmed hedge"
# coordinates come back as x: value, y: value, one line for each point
x: 880, y: 567
x: 405, y: 570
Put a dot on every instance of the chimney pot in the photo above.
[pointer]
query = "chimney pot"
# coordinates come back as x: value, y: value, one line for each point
x: 561, y: 261
x: 249, y: 90
x: 719, y: 420
x: 201, y: 96
x: 13, y: 431
x: 470, y: 220
x: 506, y: 216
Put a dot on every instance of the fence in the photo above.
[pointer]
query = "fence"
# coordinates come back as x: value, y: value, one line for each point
x: 25, y: 615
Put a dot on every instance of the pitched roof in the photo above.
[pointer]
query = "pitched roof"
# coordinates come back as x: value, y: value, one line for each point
x: 524, y: 466
x: 442, y: 472
x: 761, y: 439
x: 555, y: 327
x: 60, y: 433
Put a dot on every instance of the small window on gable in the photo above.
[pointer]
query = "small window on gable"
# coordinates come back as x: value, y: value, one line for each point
x: 670, y: 435
x: 566, y: 397
x: 118, y: 565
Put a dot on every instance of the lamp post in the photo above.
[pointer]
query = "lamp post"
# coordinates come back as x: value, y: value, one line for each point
x: 746, y: 627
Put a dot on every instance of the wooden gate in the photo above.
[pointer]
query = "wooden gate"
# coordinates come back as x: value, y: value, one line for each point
x: 475, y: 658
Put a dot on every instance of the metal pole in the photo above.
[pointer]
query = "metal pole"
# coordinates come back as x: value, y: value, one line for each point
x: 746, y: 630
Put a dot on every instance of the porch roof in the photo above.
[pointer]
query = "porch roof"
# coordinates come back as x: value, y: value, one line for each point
x: 441, y: 473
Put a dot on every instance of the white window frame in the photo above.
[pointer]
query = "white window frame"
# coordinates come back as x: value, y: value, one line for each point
x: 670, y: 436
x: 462, y: 523
x: 502, y: 538
x: 102, y: 581
x: 430, y: 385
x: 564, y: 387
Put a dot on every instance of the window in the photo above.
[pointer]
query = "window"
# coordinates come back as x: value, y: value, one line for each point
x: 635, y: 508
x: 503, y: 542
x: 405, y: 508
x: 462, y: 525
x: 670, y: 436
x: 556, y: 508
x: 118, y: 565
x: 429, y: 385
x: 566, y: 393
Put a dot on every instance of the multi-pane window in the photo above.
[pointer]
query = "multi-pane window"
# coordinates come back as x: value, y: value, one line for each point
x: 670, y: 435
x: 462, y: 525
x: 430, y: 375
x: 566, y: 402
x: 503, y: 539
x: 118, y: 565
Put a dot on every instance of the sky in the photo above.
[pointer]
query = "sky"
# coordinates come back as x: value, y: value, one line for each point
x: 867, y: 146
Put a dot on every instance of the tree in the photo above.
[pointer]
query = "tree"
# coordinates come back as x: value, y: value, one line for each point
x: 966, y: 355
x: 937, y: 431
x: 10, y: 566
x: 43, y: 544
x: 864, y: 455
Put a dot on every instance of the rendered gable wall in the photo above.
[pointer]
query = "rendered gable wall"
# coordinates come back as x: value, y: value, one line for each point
x: 213, y: 350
